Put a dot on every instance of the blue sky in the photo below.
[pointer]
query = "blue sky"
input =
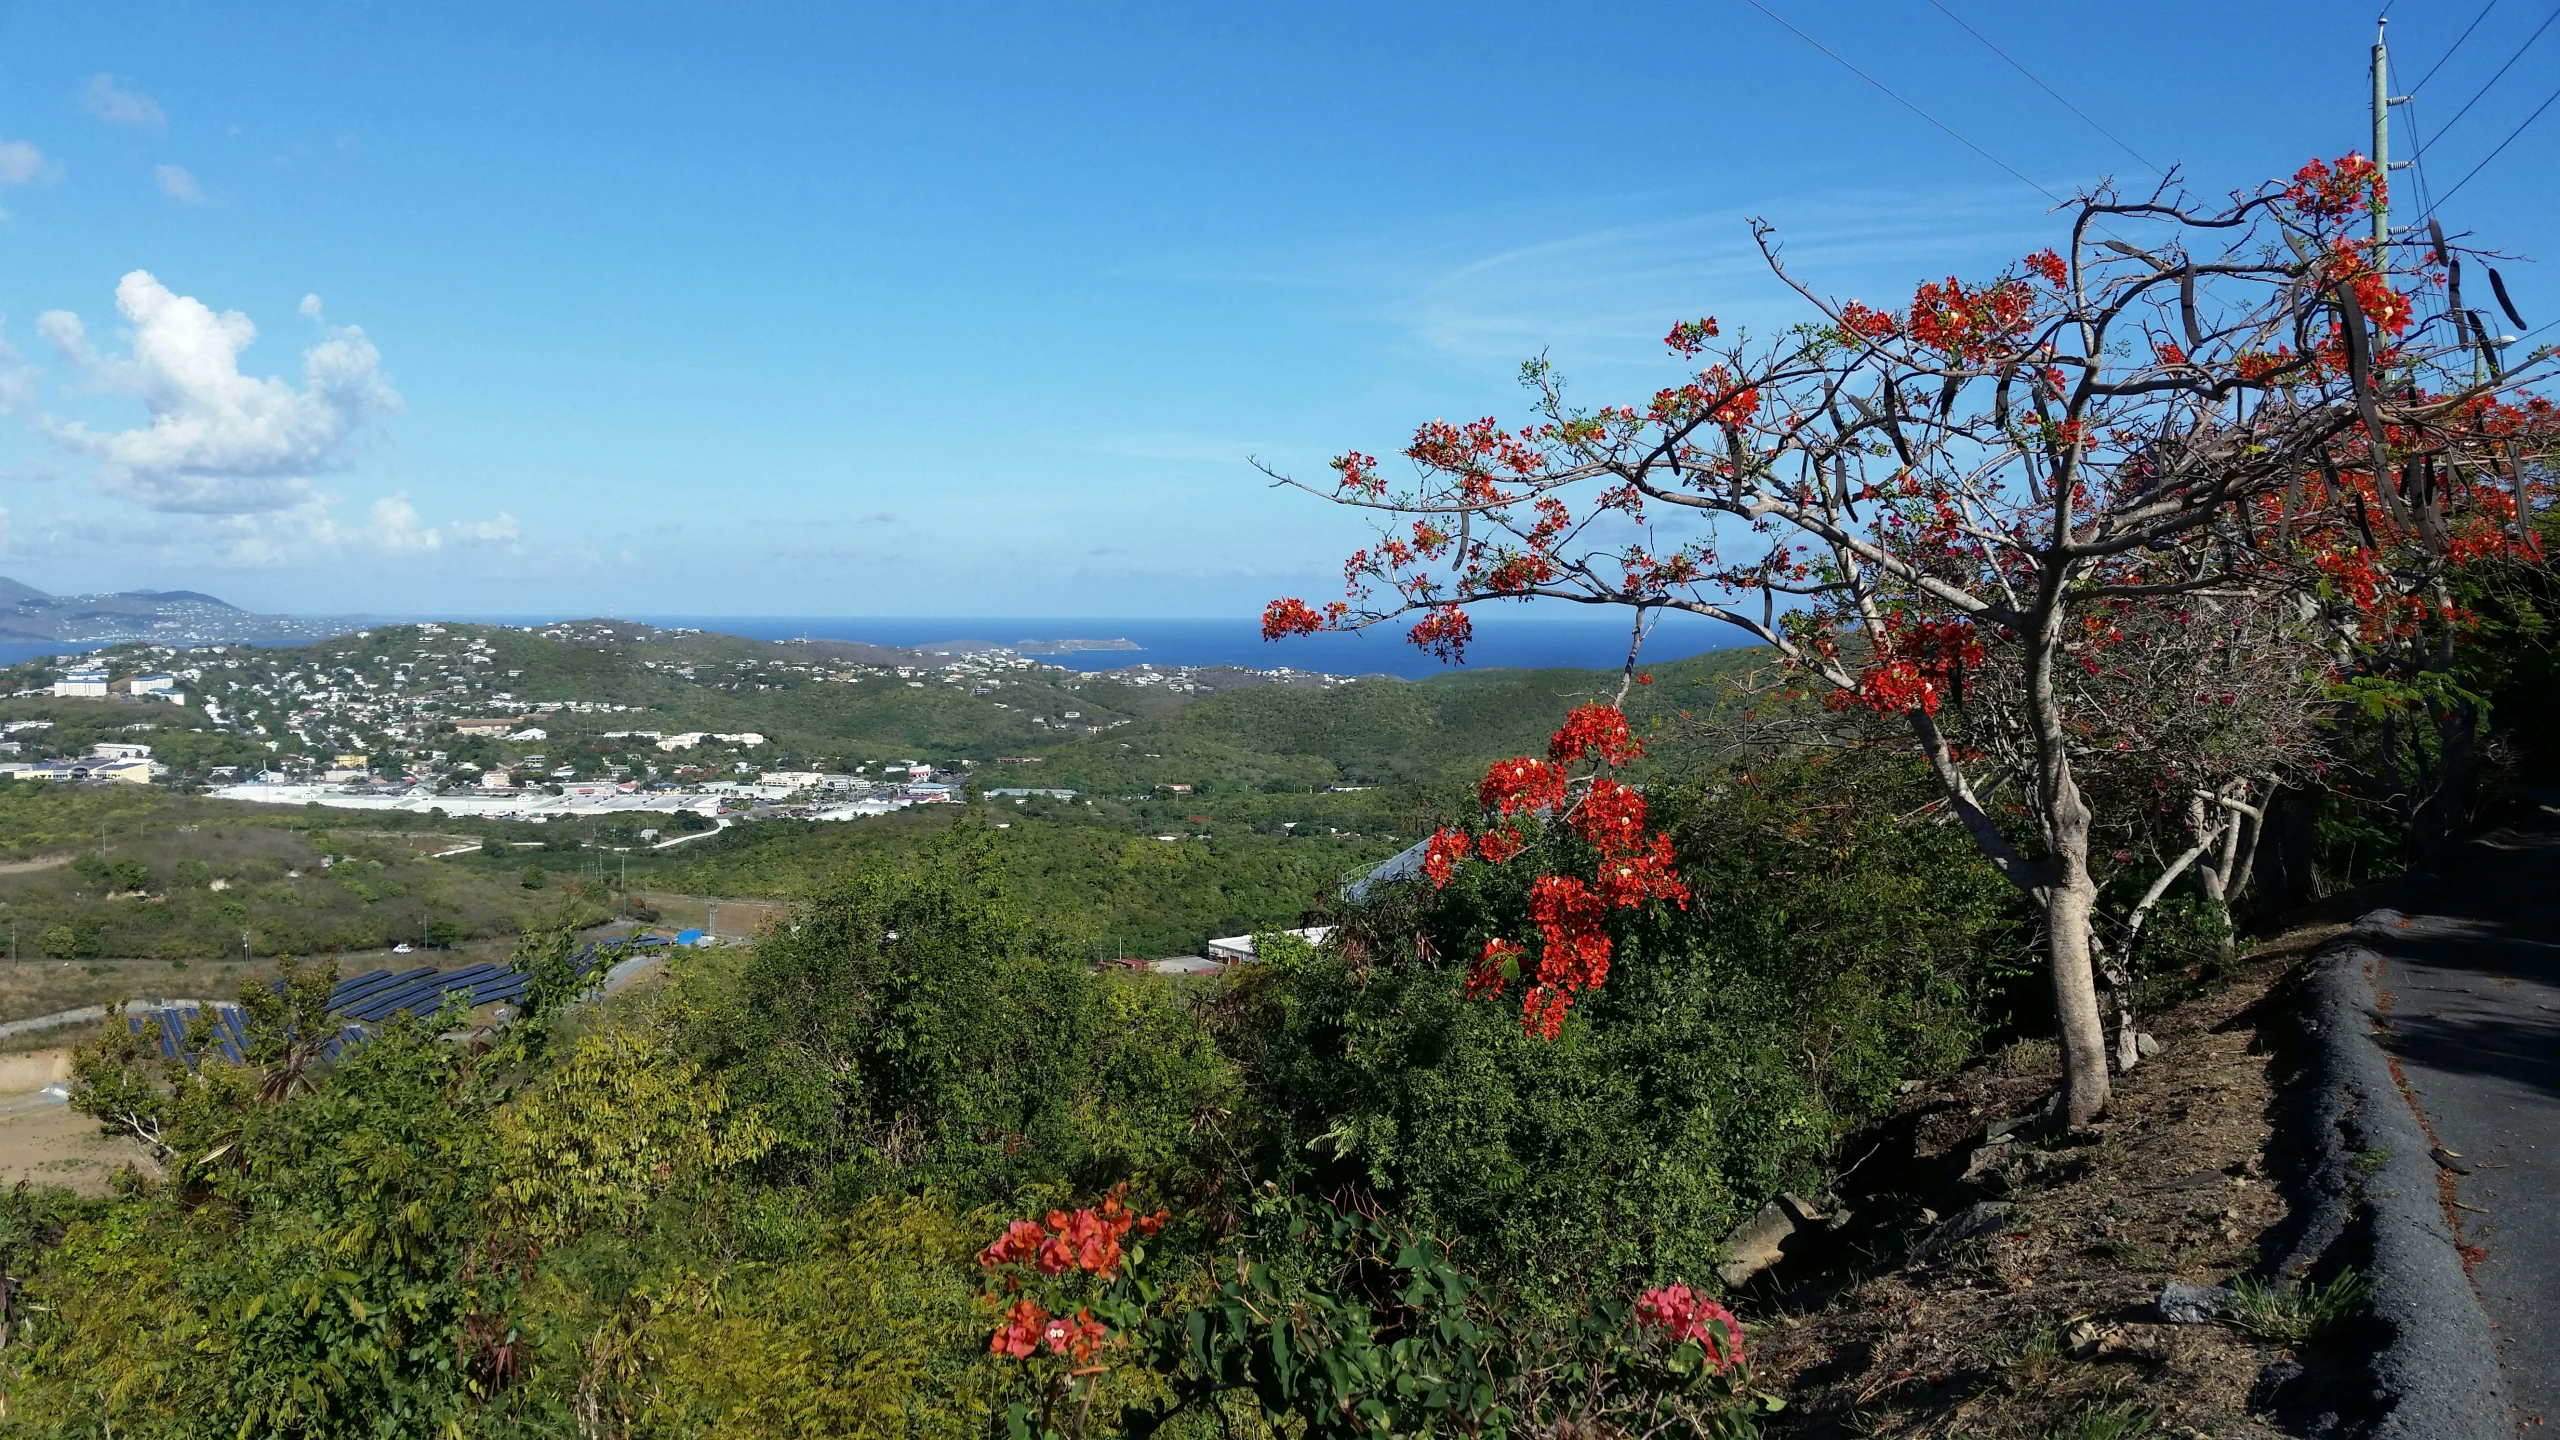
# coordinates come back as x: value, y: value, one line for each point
x: 921, y: 310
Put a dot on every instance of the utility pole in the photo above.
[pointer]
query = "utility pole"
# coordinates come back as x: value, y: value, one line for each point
x: 2383, y: 100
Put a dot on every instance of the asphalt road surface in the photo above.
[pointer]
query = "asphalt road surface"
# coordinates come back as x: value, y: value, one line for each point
x: 2472, y: 988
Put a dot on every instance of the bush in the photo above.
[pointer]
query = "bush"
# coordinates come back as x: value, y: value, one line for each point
x: 909, y: 1029
x: 534, y: 878
x: 1826, y: 958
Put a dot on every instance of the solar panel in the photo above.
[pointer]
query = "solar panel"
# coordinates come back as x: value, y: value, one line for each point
x: 349, y: 986
x: 376, y: 984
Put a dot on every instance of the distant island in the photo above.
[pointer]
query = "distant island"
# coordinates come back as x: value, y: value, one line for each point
x: 173, y: 617
x: 1068, y: 647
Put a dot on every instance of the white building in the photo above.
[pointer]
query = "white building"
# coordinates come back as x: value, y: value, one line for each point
x: 88, y: 683
x: 118, y: 750
x: 1236, y: 948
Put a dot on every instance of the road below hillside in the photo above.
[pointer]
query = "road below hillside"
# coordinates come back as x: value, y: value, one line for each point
x: 2471, y: 988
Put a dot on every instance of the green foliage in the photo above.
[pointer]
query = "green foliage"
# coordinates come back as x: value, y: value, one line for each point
x: 1825, y: 958
x: 1334, y: 1323
x: 910, y: 1028
x: 2298, y: 1314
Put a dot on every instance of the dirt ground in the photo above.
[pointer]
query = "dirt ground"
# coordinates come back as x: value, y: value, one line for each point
x: 2045, y: 1325
x: 45, y: 987
x: 45, y: 1142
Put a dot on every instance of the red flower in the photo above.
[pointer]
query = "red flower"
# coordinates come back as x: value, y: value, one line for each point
x: 1444, y: 633
x: 1594, y: 732
x: 1512, y: 787
x: 1075, y: 1338
x: 1295, y: 617
x: 1021, y: 1333
x: 1495, y: 968
x: 1440, y: 858
x: 1017, y: 1245
x: 1611, y: 817
x: 1691, y: 336
x: 1497, y: 846
x: 1681, y: 1314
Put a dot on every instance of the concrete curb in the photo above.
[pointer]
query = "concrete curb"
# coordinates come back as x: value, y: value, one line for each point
x: 2435, y: 1371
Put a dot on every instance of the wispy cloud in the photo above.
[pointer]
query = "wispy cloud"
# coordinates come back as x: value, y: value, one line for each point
x: 122, y: 107
x: 22, y: 163
x: 1507, y: 282
x: 178, y: 185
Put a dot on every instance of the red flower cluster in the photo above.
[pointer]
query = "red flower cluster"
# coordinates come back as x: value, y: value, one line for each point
x: 1691, y: 336
x: 2336, y: 193
x: 1594, y: 732
x: 2050, y: 268
x: 1087, y: 1239
x: 1444, y: 633
x: 1525, y: 785
x: 1028, y: 1327
x: 1865, y: 323
x: 1296, y: 617
x: 1568, y: 911
x: 1965, y: 323
x: 1359, y: 475
x: 1921, y: 664
x: 1682, y: 1314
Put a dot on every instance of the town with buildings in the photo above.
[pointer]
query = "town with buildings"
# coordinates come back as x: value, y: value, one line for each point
x: 491, y: 721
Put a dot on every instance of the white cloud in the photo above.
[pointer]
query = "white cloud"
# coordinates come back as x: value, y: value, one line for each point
x: 498, y: 530
x: 396, y: 526
x: 23, y: 164
x: 219, y: 442
x: 180, y: 186
x: 17, y: 382
x: 69, y: 338
x: 310, y: 307
x: 122, y: 107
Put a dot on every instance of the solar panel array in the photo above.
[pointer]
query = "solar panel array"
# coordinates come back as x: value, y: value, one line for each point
x: 230, y: 1037
x: 375, y: 997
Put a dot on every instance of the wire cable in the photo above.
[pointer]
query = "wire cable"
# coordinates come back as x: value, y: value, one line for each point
x: 2013, y: 170
x: 2056, y: 94
x: 2502, y: 145
x: 2502, y: 71
x: 2456, y: 45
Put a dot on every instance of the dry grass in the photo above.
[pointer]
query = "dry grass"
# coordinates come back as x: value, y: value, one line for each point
x: 2047, y: 1327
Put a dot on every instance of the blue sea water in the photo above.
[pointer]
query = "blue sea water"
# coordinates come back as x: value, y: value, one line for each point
x: 1582, y: 641
x: 1597, y: 641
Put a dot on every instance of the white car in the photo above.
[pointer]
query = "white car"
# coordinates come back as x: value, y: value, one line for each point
x: 402, y: 949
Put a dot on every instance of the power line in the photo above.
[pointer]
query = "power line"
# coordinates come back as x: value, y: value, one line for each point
x: 2456, y: 45
x: 2502, y: 71
x: 2049, y: 90
x: 2502, y: 145
x: 1905, y: 104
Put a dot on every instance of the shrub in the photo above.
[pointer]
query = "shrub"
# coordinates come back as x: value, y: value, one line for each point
x: 2301, y: 1314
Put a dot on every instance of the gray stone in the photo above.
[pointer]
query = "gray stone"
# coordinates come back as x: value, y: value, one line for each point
x: 2144, y: 1045
x: 2192, y: 1304
x: 1972, y: 1223
x: 1756, y: 1244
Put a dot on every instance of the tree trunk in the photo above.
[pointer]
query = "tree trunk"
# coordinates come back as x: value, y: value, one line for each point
x: 2068, y: 907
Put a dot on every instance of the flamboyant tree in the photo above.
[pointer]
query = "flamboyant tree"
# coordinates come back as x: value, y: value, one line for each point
x: 2065, y: 529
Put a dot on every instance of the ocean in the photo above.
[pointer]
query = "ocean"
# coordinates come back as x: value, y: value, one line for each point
x: 1589, y: 642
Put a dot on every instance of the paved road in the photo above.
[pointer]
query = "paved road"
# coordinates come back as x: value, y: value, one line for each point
x: 2473, y: 990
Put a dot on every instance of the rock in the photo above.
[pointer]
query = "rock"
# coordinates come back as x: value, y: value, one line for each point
x: 2192, y: 1304
x: 2450, y: 1159
x: 2144, y: 1045
x: 1972, y: 1223
x: 1756, y: 1244
x: 2022, y: 1127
